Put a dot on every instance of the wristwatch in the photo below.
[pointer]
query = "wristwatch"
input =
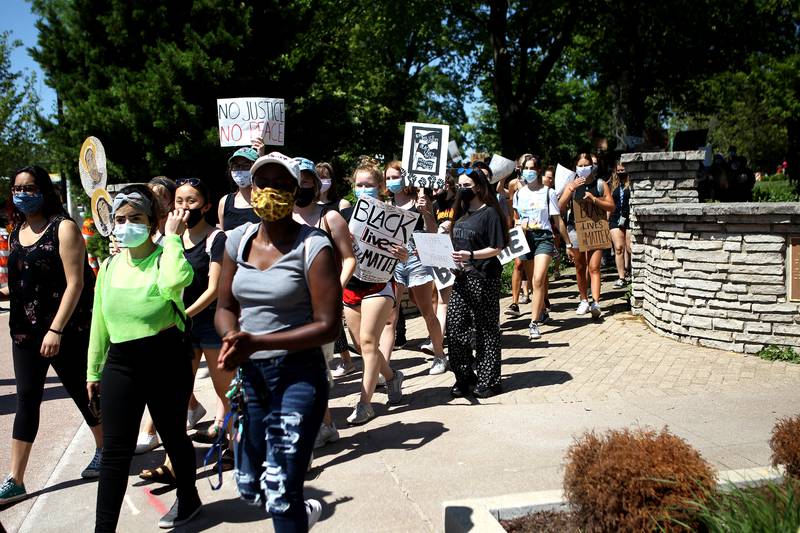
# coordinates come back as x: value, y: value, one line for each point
x: 569, y: 245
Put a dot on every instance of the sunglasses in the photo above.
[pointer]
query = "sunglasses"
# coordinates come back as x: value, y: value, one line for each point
x: 467, y: 171
x: 194, y: 182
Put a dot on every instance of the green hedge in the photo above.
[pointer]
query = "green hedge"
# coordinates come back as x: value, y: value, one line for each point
x: 775, y: 190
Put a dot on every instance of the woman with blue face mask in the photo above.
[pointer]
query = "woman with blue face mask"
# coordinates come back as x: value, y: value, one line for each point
x: 50, y: 287
x: 140, y: 353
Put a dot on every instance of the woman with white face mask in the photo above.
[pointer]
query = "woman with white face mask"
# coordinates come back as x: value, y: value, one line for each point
x: 235, y: 209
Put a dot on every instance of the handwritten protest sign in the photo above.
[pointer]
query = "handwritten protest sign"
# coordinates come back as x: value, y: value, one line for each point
x: 425, y: 154
x: 435, y: 249
x: 92, y: 165
x: 376, y: 227
x: 517, y: 246
x: 241, y: 120
x: 101, y: 212
x: 443, y: 277
x: 592, y: 226
x: 563, y: 176
x: 502, y: 167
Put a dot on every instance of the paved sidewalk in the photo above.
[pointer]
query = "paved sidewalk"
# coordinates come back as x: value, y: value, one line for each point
x: 394, y: 473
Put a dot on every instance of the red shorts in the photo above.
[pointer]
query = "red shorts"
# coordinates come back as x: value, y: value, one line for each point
x: 353, y: 296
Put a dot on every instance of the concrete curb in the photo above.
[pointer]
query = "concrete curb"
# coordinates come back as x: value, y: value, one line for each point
x: 484, y: 514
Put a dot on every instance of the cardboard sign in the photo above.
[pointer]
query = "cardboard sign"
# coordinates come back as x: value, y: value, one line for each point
x: 92, y: 165
x: 425, y: 154
x: 591, y: 225
x: 242, y: 120
x: 435, y: 250
x: 563, y: 176
x: 376, y: 227
x: 101, y: 212
x: 443, y: 277
x: 517, y: 246
x: 502, y: 167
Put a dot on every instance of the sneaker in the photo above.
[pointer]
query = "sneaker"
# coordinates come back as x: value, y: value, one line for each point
x: 619, y: 283
x: 381, y: 380
x: 193, y: 416
x: 343, y: 369
x: 427, y: 347
x: 513, y: 310
x: 181, y: 513
x: 595, y: 309
x: 11, y: 492
x: 556, y: 275
x: 362, y: 414
x: 400, y: 342
x: 146, y: 442
x: 544, y: 317
x: 313, y: 511
x: 394, y: 388
x: 533, y: 331
x: 525, y: 299
x: 326, y: 434
x: 439, y: 366
x: 93, y: 469
x: 583, y: 308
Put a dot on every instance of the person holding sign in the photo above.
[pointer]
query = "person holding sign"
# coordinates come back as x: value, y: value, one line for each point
x: 479, y: 234
x: 519, y: 280
x: 235, y: 209
x: 589, y: 190
x: 536, y: 211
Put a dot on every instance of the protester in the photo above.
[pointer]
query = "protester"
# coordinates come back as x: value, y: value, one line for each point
x: 519, y: 280
x: 367, y: 307
x: 479, y: 234
x: 618, y: 224
x: 586, y: 187
x: 279, y: 302
x: 235, y: 209
x: 549, y: 180
x: 50, y: 288
x: 164, y: 190
x: 443, y: 206
x: 138, y: 352
x: 330, y: 188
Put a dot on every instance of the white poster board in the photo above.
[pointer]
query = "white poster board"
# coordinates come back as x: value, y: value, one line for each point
x: 376, y: 227
x: 92, y: 165
x: 502, y: 167
x: 443, y: 277
x: 517, y: 246
x: 242, y: 120
x: 435, y: 250
x: 563, y: 176
x: 425, y: 154
x: 452, y: 150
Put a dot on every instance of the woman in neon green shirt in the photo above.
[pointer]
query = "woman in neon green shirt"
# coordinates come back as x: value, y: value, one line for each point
x: 137, y: 354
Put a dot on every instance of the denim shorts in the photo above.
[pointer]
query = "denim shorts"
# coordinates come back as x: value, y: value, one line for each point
x: 204, y: 335
x: 540, y: 243
x: 412, y: 273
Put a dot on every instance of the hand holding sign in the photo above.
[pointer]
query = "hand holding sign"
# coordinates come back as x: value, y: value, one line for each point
x: 563, y: 176
x: 517, y: 246
x: 435, y: 250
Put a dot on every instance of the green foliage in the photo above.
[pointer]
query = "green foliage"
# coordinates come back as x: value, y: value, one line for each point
x: 505, y: 278
x: 775, y: 191
x: 97, y: 245
x: 779, y: 353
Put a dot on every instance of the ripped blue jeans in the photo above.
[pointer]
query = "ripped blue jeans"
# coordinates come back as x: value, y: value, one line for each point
x: 285, y: 400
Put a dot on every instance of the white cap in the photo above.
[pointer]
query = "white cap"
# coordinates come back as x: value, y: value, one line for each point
x: 278, y: 158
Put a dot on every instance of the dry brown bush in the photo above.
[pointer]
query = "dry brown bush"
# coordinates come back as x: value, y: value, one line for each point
x: 634, y: 480
x: 785, y: 444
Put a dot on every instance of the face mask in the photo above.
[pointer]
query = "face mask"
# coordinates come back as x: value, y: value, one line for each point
x: 394, y: 186
x: 271, y: 204
x: 466, y: 195
x: 28, y: 204
x: 130, y: 234
x: 326, y: 184
x: 366, y: 191
x: 195, y: 216
x: 529, y: 175
x: 243, y: 178
x: 583, y: 172
x: 304, y: 197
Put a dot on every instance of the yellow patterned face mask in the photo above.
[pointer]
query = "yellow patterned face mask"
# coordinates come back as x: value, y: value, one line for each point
x: 271, y: 204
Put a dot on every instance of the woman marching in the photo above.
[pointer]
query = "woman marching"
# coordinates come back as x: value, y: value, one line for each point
x: 618, y: 224
x: 279, y: 302
x: 479, y: 234
x: 138, y: 352
x: 235, y: 209
x: 50, y: 287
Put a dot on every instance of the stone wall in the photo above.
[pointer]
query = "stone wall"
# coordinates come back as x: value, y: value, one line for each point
x: 709, y: 274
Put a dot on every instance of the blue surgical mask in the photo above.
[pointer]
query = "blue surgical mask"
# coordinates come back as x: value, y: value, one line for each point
x: 394, y: 186
x: 131, y: 234
x: 243, y: 178
x: 28, y: 204
x: 529, y: 175
x: 366, y: 191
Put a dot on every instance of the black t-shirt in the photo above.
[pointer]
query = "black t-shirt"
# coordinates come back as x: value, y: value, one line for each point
x: 444, y: 209
x: 476, y: 231
x: 199, y: 258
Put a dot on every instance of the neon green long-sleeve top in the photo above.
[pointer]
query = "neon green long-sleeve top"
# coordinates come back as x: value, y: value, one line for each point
x: 132, y: 299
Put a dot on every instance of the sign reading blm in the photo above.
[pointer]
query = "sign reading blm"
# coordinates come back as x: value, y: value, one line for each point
x: 425, y: 154
x: 242, y: 120
x: 591, y: 225
x: 376, y: 228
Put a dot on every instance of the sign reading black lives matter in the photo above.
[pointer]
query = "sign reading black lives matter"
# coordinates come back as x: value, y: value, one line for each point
x: 425, y: 154
x: 377, y: 227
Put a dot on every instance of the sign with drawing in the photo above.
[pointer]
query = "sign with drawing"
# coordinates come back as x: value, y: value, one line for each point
x: 425, y: 154
x: 92, y: 165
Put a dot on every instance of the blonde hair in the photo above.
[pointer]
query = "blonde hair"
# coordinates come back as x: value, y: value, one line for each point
x: 615, y: 178
x: 370, y: 166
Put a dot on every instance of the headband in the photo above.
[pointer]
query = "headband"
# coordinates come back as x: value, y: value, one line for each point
x: 136, y: 200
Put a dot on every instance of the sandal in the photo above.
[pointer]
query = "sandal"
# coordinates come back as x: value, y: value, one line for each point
x: 161, y: 474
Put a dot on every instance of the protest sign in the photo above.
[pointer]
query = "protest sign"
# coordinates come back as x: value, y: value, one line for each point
x: 502, y: 167
x: 563, y: 176
x: 92, y: 165
x: 435, y: 249
x: 452, y: 151
x: 425, y: 155
x: 242, y: 120
x: 376, y: 227
x: 101, y: 212
x: 591, y: 225
x: 443, y: 277
x: 517, y: 245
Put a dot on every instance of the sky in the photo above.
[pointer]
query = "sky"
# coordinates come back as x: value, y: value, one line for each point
x: 16, y: 17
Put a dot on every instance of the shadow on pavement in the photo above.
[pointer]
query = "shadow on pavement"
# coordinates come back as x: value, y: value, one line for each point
x: 535, y: 378
x: 8, y: 402
x: 231, y: 511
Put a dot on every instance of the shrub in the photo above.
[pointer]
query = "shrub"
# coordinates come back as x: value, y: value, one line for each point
x: 785, y: 444
x: 775, y: 191
x: 505, y: 278
x: 634, y: 480
x: 779, y: 353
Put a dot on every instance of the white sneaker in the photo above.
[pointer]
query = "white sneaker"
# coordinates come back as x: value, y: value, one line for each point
x: 326, y: 434
x: 381, y: 380
x: 439, y: 366
x: 362, y: 414
x: 583, y: 308
x: 145, y: 443
x: 313, y: 511
x: 595, y: 309
x: 193, y: 416
x: 394, y: 388
x: 619, y: 283
x: 427, y: 348
x: 343, y: 369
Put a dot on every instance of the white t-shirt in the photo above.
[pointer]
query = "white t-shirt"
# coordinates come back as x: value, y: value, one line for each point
x: 533, y: 208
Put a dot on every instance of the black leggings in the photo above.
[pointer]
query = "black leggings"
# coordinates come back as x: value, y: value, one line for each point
x: 30, y: 371
x: 156, y: 371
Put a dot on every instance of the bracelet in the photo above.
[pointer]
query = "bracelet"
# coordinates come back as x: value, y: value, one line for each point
x: 472, y: 255
x: 56, y: 331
